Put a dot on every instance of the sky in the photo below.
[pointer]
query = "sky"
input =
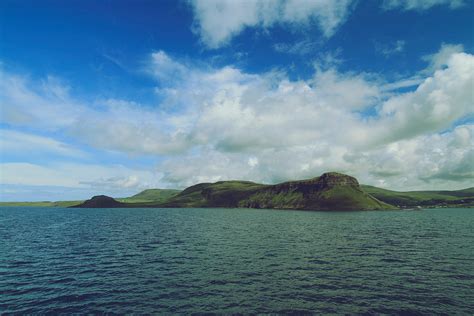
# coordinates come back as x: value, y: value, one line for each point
x: 114, y: 97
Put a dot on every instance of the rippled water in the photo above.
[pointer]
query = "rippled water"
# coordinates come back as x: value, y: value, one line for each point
x: 229, y: 261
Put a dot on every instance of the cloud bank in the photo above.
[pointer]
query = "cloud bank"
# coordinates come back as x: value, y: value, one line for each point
x: 223, y: 123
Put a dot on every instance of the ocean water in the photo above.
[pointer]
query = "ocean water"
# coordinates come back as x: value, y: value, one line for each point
x: 55, y: 260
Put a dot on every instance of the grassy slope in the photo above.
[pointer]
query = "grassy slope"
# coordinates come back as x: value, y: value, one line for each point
x: 150, y: 195
x: 423, y: 198
x: 219, y: 194
x: 289, y: 195
x: 336, y: 198
x: 348, y: 197
x: 42, y: 203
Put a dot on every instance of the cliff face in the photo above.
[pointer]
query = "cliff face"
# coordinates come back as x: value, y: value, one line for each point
x: 101, y: 201
x: 330, y: 191
x: 325, y: 182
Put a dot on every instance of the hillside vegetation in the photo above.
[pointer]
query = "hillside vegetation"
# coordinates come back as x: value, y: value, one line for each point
x: 331, y: 191
x: 464, y: 198
x: 151, y: 195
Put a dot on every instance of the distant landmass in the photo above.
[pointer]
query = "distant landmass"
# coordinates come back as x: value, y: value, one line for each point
x: 330, y: 191
x: 444, y: 198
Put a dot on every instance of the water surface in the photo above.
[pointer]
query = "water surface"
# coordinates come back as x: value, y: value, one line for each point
x: 229, y: 261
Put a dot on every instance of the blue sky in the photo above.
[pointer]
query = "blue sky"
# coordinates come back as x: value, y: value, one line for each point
x: 117, y: 96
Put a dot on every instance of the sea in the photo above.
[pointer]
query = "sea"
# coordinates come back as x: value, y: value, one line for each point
x: 230, y: 261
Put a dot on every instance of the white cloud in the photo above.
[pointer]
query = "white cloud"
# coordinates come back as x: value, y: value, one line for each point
x: 252, y: 162
x: 353, y: 92
x: 227, y: 124
x: 437, y: 102
x: 45, y: 105
x: 394, y: 48
x: 19, y: 143
x: 218, y: 21
x: 78, y: 175
x: 298, y: 129
x: 107, y: 124
x: 245, y: 112
x: 421, y: 4
x: 115, y: 182
x: 403, y: 83
x: 303, y: 47
x: 435, y: 161
x: 127, y: 127
x: 440, y: 59
x: 165, y: 69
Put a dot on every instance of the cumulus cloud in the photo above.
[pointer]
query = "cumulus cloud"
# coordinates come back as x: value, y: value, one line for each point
x: 421, y: 4
x: 218, y: 21
x: 165, y: 69
x: 438, y: 101
x: 297, y: 129
x: 425, y: 162
x: 440, y: 59
x: 236, y: 111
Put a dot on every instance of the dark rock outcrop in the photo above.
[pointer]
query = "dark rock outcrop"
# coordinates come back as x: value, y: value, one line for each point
x: 326, y: 181
x: 101, y: 201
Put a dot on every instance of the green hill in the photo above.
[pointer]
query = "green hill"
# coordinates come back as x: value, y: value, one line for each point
x: 331, y: 191
x: 150, y: 195
x: 219, y: 194
x: 464, y: 198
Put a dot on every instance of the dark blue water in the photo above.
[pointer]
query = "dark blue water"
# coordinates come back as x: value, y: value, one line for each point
x: 229, y: 261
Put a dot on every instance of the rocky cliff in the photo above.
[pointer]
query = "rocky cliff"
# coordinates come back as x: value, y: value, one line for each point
x: 330, y: 191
